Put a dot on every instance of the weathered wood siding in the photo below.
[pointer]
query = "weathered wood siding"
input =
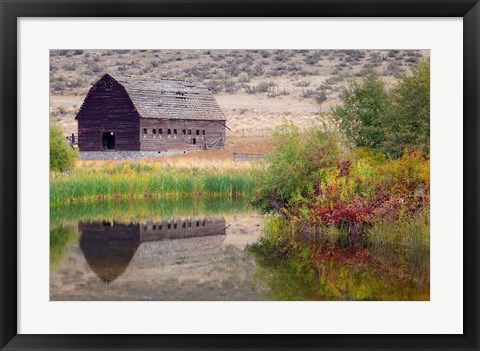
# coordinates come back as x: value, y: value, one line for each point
x: 108, y: 111
x: 214, y: 131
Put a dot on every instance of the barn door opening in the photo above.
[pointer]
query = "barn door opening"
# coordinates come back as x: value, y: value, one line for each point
x: 108, y: 141
x: 194, y: 141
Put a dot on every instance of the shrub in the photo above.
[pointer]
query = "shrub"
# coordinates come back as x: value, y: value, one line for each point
x: 265, y: 53
x: 69, y: 67
x: 292, y: 172
x: 302, y: 83
x: 262, y: 87
x: 319, y: 94
x: 62, y: 156
x: 93, y: 67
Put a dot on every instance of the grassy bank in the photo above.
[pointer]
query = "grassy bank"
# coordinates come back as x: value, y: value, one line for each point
x: 140, y: 180
x: 345, y: 224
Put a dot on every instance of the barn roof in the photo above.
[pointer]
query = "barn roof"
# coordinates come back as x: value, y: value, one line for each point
x: 171, y: 99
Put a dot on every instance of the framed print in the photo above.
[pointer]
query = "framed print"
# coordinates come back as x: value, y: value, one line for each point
x: 239, y: 175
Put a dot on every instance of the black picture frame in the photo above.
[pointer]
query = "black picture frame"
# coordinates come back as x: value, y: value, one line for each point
x: 11, y: 10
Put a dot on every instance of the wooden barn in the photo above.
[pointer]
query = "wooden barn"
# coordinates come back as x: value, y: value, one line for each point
x: 149, y: 115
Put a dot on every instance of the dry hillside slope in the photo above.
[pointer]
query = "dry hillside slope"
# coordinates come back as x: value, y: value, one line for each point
x: 257, y: 89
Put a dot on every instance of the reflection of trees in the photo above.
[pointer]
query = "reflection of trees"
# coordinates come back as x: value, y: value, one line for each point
x: 109, y: 247
x: 292, y: 279
x: 61, y: 238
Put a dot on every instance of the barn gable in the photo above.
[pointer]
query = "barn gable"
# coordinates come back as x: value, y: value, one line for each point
x: 108, y: 119
x: 109, y: 88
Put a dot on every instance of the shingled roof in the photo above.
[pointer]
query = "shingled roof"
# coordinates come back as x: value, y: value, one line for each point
x: 172, y: 99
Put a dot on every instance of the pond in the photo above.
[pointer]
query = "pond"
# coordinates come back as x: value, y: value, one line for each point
x: 169, y: 249
x: 193, y: 249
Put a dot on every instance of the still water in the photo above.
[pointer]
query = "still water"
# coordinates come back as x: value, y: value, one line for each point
x: 169, y: 249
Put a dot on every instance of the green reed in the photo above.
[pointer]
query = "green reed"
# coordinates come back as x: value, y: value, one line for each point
x: 405, y: 242
x: 141, y: 182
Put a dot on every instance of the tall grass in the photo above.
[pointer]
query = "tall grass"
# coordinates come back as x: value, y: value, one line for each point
x: 144, y: 180
x: 405, y: 242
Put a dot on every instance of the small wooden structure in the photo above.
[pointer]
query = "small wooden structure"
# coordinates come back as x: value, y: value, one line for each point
x: 238, y: 156
x: 149, y: 115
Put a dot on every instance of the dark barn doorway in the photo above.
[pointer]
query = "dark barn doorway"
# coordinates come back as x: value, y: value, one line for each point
x: 108, y: 141
x: 194, y: 141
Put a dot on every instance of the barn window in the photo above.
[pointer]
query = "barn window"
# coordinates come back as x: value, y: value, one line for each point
x: 198, y: 223
x: 180, y: 95
x: 160, y: 131
x: 175, y: 225
x: 145, y: 131
x: 175, y: 132
x: 154, y: 226
x: 169, y: 132
x: 198, y: 132
x: 108, y: 84
x: 169, y: 225
x: 203, y: 132
x: 184, y: 131
x: 154, y: 131
x: 184, y: 225
x: 189, y: 132
x: 160, y: 226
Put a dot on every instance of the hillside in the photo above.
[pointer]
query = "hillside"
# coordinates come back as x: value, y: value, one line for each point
x: 257, y: 89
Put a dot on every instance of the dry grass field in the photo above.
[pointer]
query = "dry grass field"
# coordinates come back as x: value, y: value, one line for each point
x: 210, y: 158
x: 256, y: 89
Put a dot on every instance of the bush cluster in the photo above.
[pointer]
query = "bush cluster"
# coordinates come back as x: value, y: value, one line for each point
x: 62, y: 156
x: 310, y: 179
x: 387, y: 119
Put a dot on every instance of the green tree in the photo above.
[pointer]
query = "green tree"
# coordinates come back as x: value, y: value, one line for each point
x: 361, y: 116
x: 410, y: 115
x: 386, y: 120
x: 62, y: 156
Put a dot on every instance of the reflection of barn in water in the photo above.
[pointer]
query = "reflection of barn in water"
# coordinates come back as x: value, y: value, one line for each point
x: 109, y: 247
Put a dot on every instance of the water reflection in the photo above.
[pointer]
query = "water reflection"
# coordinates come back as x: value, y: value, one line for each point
x: 109, y: 247
x: 140, y: 251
